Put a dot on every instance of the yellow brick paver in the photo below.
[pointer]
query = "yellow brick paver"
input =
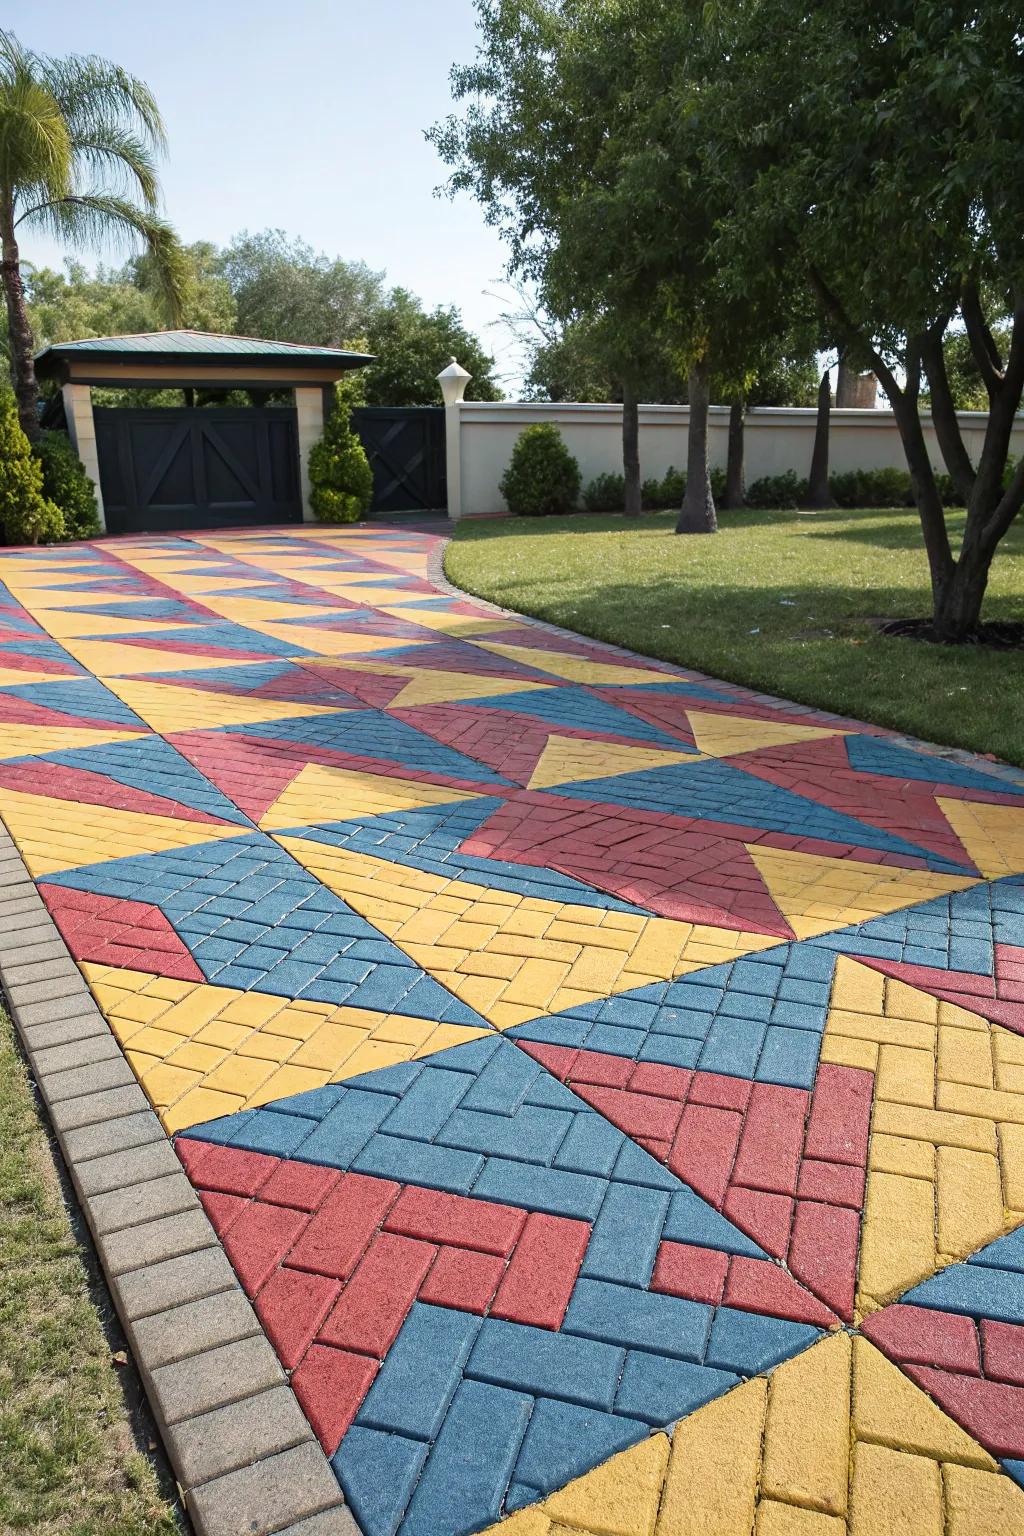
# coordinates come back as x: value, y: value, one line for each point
x: 834, y: 1442
x: 566, y: 953
x: 945, y: 1173
x: 246, y: 1048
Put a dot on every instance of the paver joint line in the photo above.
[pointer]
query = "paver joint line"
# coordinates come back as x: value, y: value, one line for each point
x: 512, y: 1084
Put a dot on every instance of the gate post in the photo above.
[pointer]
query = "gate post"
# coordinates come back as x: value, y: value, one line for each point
x: 453, y: 381
x: 81, y: 426
x: 309, y: 412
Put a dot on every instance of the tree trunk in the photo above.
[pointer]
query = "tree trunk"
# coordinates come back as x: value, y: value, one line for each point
x: 959, y: 592
x: 958, y: 585
x: 819, y: 497
x: 853, y: 389
x: 735, y: 479
x: 957, y: 604
x: 697, y: 514
x: 631, y: 449
x: 26, y: 389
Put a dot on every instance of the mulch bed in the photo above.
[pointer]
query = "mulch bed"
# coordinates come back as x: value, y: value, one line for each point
x: 996, y: 636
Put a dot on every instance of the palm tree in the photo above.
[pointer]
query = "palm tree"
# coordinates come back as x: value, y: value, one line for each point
x: 79, y: 143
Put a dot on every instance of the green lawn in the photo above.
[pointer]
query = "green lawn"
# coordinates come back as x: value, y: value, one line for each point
x: 70, y: 1459
x: 781, y: 602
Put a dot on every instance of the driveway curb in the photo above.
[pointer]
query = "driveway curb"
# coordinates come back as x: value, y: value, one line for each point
x: 244, y: 1455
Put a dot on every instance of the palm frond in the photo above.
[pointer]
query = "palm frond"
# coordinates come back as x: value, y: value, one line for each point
x: 35, y: 145
x: 99, y: 219
x: 95, y: 95
x: 123, y: 158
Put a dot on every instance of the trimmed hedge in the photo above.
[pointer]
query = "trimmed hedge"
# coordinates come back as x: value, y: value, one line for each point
x: 872, y: 488
x: 606, y: 493
x: 783, y: 491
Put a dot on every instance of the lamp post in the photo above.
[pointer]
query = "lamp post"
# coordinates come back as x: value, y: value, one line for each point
x: 453, y: 381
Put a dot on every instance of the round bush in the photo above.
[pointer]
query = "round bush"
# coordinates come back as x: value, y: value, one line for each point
x: 542, y: 477
x: 340, y: 477
x: 67, y: 485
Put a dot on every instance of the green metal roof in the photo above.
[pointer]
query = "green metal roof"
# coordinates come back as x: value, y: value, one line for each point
x: 198, y: 343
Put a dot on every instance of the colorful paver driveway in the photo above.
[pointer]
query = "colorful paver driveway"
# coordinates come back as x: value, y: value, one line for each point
x: 607, y: 1084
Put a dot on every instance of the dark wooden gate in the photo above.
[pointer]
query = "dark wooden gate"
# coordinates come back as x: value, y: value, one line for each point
x: 406, y: 449
x: 198, y: 468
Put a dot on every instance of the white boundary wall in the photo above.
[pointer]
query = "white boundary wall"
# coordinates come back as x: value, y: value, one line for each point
x: 481, y: 438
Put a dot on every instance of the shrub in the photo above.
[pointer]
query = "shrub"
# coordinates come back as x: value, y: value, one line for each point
x: 651, y: 495
x: 948, y: 493
x: 605, y: 493
x: 25, y: 514
x: 777, y: 491
x: 667, y: 494
x: 656, y: 495
x: 872, y: 488
x: 340, y: 477
x: 67, y: 485
x: 542, y: 477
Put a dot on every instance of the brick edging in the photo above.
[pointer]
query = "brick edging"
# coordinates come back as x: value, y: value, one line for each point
x: 998, y: 769
x: 243, y: 1453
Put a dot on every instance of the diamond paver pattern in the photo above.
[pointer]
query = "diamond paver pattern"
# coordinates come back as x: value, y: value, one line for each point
x: 606, y: 1084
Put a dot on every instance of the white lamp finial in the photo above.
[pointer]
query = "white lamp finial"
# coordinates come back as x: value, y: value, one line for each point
x: 453, y: 381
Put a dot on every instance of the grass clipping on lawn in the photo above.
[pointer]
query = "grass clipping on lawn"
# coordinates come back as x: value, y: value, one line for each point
x: 783, y: 603
x: 69, y: 1462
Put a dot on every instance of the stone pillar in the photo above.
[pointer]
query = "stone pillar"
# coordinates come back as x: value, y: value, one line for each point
x: 82, y: 432
x: 309, y: 408
x: 453, y: 381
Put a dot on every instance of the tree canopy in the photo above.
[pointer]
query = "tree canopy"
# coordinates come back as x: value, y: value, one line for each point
x: 412, y: 345
x: 714, y: 170
x: 286, y: 291
x: 268, y: 285
x: 64, y: 306
x: 581, y: 134
x: 879, y: 155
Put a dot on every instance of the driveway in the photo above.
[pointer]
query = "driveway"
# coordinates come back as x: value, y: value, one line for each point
x: 606, y: 1084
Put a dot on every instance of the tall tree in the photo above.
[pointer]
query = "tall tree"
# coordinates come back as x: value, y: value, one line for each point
x: 879, y: 152
x: 563, y: 141
x: 79, y: 140
x: 412, y: 345
x: 286, y: 291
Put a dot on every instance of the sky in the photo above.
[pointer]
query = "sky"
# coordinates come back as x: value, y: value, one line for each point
x: 304, y: 115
